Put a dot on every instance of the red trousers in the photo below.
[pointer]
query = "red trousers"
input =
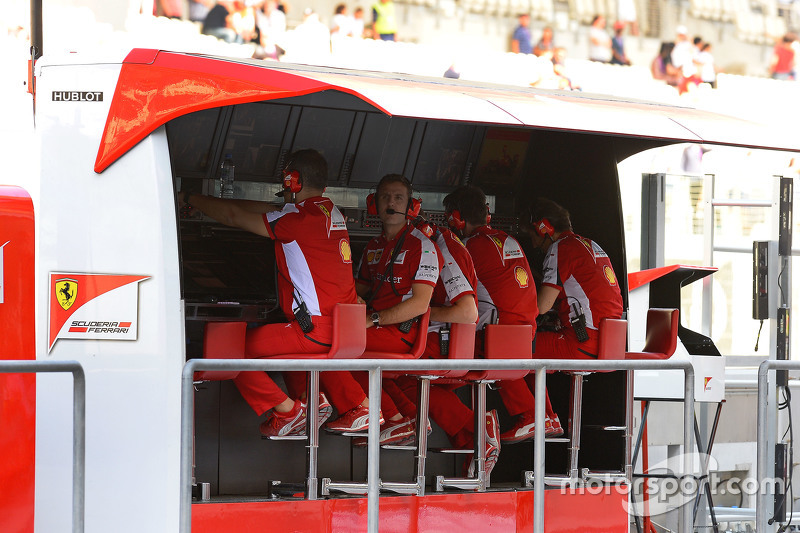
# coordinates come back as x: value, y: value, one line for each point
x: 444, y: 407
x: 288, y: 340
x: 517, y: 395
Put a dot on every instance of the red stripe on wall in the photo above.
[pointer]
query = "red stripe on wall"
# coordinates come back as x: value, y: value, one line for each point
x: 78, y: 330
x: 461, y: 513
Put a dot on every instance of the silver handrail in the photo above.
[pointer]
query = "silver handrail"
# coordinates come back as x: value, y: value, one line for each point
x: 377, y: 366
x: 78, y: 425
x: 762, y: 463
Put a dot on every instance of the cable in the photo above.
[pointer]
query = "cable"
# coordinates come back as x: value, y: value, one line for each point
x: 761, y: 325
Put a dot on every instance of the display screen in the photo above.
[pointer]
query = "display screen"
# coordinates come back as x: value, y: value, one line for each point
x: 443, y: 156
x: 190, y: 137
x: 502, y: 156
x: 254, y: 139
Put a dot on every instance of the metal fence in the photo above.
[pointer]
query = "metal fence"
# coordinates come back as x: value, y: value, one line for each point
x: 78, y: 425
x: 375, y: 367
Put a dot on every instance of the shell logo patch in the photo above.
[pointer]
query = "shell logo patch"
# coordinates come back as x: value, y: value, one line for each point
x: 521, y: 276
x: 609, y: 274
x: 344, y: 250
x: 374, y: 257
x: 66, y: 292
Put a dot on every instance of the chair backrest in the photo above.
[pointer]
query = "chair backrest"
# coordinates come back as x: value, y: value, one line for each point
x: 349, y: 331
x: 612, y: 339
x: 222, y: 340
x: 419, y: 343
x: 662, y: 331
x: 505, y: 341
x: 462, y: 341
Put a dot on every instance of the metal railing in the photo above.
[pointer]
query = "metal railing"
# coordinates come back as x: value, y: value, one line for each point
x: 762, y: 439
x: 375, y: 367
x: 78, y: 425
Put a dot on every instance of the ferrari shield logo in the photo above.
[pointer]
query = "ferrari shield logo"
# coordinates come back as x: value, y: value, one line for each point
x: 66, y: 292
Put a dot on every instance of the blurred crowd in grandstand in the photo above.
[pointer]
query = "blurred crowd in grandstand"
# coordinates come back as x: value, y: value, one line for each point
x: 684, y: 63
x: 546, y: 53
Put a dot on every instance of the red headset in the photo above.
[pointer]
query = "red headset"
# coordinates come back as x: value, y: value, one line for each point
x: 414, y: 206
x: 544, y: 228
x: 455, y: 221
x: 291, y: 181
x: 541, y: 226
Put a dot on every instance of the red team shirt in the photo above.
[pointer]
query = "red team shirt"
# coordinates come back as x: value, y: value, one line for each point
x: 506, y: 289
x: 311, y: 236
x: 583, y: 274
x: 417, y: 261
x: 457, y: 277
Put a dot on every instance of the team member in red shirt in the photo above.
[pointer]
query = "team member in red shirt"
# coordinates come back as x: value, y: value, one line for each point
x: 506, y: 294
x: 578, y: 281
x: 453, y: 302
x: 396, y: 278
x: 312, y: 250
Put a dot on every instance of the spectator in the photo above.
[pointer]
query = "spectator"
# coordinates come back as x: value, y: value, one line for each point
x: 169, y: 8
x: 521, y: 40
x: 271, y: 22
x: 662, y: 68
x: 618, y: 56
x: 358, y: 22
x: 683, y: 53
x: 452, y: 72
x: 626, y: 13
x: 198, y: 9
x: 312, y: 34
x: 560, y: 69
x: 705, y: 63
x: 781, y: 66
x: 219, y: 23
x: 599, y: 41
x: 384, y: 24
x: 545, y: 44
x: 341, y: 25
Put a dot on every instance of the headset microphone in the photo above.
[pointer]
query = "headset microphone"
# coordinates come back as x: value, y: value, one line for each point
x: 390, y: 211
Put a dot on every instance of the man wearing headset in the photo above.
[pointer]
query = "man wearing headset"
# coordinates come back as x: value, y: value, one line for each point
x: 396, y: 277
x: 312, y: 251
x: 578, y: 282
x: 506, y: 295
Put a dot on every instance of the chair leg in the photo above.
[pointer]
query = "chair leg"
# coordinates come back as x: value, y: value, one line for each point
x: 312, y: 431
x: 479, y: 437
x: 575, y: 425
x: 421, y: 441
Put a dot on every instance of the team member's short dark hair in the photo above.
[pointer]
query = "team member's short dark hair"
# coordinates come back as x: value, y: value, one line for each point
x: 470, y: 202
x: 557, y: 215
x: 395, y: 178
x: 311, y: 166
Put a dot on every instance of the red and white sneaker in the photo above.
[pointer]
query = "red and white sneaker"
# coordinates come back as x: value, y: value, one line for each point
x: 394, y: 432
x: 492, y: 445
x: 552, y: 427
x: 325, y: 410
x: 283, y: 424
x: 354, y: 420
x: 525, y: 428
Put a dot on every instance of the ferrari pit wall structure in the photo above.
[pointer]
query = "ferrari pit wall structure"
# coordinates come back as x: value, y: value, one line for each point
x: 124, y: 280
